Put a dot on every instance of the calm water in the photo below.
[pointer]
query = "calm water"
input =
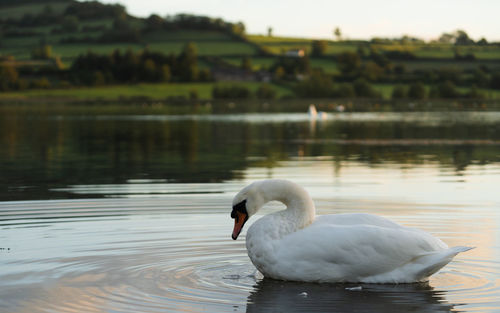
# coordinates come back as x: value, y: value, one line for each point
x: 113, y: 213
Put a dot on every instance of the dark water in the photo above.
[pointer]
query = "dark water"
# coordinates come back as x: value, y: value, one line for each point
x: 111, y: 213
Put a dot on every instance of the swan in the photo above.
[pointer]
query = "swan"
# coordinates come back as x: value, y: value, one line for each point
x: 296, y: 245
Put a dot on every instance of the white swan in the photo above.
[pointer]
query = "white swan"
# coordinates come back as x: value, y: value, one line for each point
x: 295, y: 244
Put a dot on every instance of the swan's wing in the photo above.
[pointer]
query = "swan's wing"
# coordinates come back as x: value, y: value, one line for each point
x: 355, y: 219
x: 352, y: 251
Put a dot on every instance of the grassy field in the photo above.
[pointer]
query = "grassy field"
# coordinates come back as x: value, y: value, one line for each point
x: 208, y: 48
x: 152, y: 91
x: 258, y: 63
x: 212, y: 46
x: 329, y: 65
x: 279, y: 45
x: 186, y: 35
x: 207, y: 43
x: 166, y: 90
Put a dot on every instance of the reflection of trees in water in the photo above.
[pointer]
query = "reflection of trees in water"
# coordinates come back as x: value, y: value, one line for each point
x: 278, y: 296
x: 45, y: 151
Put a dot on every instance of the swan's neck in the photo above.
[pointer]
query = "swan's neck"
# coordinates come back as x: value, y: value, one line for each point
x: 300, y: 210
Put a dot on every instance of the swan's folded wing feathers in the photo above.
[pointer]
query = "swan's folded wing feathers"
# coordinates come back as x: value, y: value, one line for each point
x: 355, y: 219
x: 361, y: 250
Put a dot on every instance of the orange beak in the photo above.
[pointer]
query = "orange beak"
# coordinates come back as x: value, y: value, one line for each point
x: 239, y: 221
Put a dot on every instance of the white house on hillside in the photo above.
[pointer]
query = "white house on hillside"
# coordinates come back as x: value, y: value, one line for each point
x: 295, y: 53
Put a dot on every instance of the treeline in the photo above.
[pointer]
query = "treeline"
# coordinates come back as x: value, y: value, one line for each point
x: 196, y: 22
x: 92, y: 69
x: 144, y: 66
x: 358, y: 70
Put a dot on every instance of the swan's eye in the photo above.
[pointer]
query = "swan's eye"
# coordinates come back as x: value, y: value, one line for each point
x: 240, y: 207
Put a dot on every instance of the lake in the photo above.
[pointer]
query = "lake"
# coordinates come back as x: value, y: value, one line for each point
x: 131, y: 213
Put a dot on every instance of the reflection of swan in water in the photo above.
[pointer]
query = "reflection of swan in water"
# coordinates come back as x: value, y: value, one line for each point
x: 278, y: 296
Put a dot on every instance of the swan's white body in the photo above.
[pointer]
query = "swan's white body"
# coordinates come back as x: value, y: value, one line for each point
x: 295, y: 244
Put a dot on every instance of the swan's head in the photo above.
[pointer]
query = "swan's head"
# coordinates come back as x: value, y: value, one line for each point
x: 245, y: 204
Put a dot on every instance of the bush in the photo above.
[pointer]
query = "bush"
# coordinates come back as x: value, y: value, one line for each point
x: 318, y: 47
x: 372, y: 71
x: 481, y: 78
x: 231, y: 92
x: 348, y: 63
x: 448, y: 89
x: 8, y: 77
x: 475, y: 93
x: 495, y: 81
x: 452, y: 74
x: 346, y: 90
x: 399, y: 92
x: 417, y: 91
x: 43, y: 52
x: 70, y: 24
x: 318, y: 85
x: 246, y: 64
x: 193, y: 94
x: 289, y: 68
x: 265, y: 91
x: 364, y: 89
x: 205, y: 75
x: 42, y: 83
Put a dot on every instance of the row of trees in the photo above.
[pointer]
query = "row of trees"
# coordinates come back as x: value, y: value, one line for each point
x: 460, y: 38
x: 10, y: 79
x: 320, y: 85
x: 99, y: 69
x: 377, y: 67
x: 144, y: 66
x: 189, y: 21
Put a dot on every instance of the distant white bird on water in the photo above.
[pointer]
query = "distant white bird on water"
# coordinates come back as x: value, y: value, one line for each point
x: 312, y: 111
x: 314, y: 114
x: 295, y: 244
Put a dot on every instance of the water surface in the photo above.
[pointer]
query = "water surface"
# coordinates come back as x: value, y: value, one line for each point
x: 131, y: 214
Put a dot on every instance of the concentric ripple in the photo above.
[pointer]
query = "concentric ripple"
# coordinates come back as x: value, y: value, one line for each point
x: 152, y: 255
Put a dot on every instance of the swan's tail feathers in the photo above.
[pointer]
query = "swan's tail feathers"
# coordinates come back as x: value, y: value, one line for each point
x: 435, y: 261
x: 459, y: 249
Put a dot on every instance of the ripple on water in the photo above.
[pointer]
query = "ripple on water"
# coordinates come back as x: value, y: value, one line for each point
x: 159, y: 260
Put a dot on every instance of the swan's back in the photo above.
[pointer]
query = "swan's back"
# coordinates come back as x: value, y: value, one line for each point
x: 354, y: 219
x: 352, y: 248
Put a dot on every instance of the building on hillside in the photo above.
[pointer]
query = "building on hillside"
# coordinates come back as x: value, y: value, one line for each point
x: 295, y: 53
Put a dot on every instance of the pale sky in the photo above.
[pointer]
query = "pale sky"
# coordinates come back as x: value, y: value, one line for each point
x: 426, y: 19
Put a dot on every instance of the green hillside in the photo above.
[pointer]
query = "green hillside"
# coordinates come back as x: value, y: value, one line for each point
x: 72, y: 28
x: 71, y: 46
